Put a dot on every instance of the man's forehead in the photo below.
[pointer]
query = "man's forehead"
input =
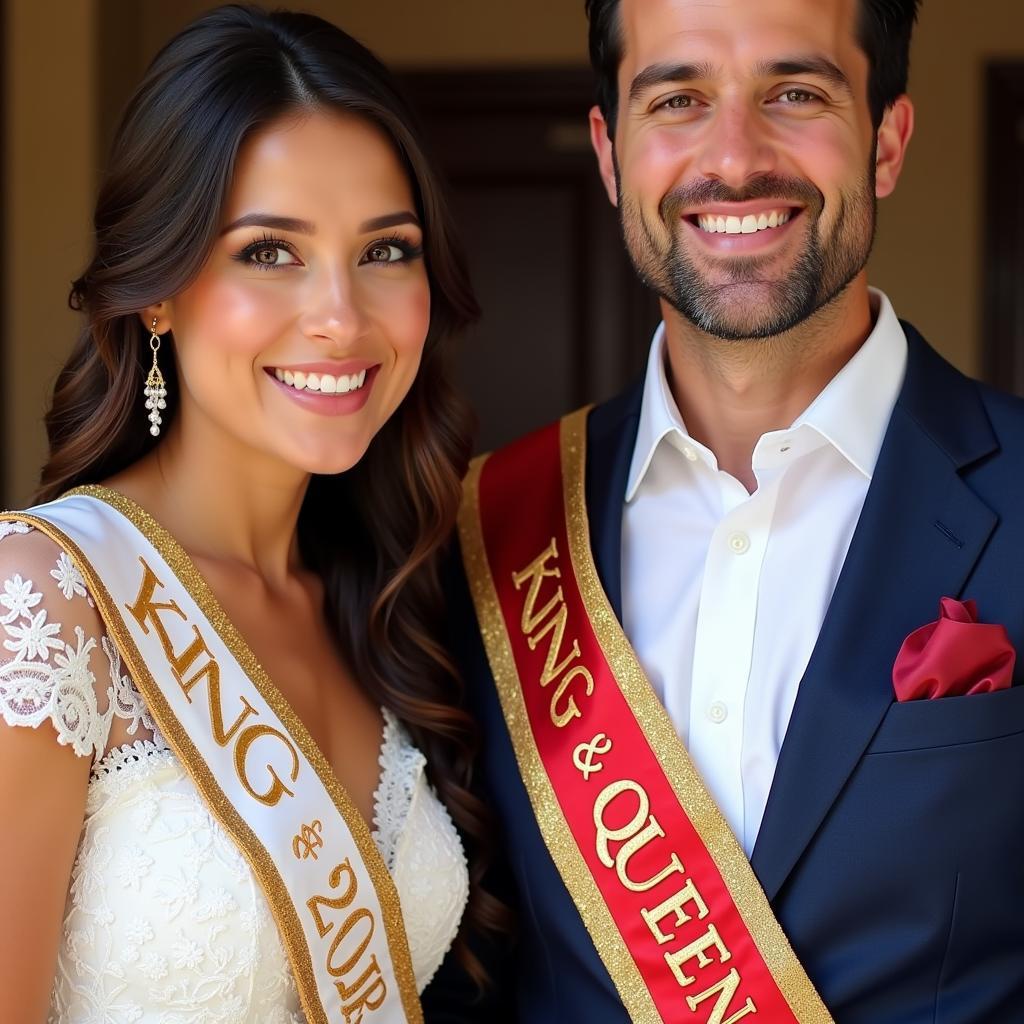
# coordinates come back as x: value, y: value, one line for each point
x: 656, y: 30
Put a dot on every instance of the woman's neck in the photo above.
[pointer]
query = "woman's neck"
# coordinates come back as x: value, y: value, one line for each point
x: 220, y: 499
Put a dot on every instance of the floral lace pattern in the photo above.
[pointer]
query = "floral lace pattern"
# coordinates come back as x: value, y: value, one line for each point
x: 165, y: 922
x: 401, y: 768
x: 48, y: 678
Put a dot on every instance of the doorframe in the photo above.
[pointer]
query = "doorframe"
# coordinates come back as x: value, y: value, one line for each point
x: 561, y: 96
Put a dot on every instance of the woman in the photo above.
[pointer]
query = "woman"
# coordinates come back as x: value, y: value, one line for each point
x: 226, y: 649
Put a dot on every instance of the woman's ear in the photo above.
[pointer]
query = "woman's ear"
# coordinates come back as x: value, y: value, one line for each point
x: 155, y: 318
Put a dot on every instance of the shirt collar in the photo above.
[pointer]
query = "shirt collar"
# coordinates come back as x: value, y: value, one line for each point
x: 851, y: 413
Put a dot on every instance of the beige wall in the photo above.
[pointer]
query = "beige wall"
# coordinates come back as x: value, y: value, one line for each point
x: 928, y: 255
x: 49, y: 180
x: 422, y: 33
x: 928, y: 252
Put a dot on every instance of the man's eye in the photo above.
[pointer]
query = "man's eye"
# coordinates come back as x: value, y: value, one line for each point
x: 678, y: 103
x: 798, y: 96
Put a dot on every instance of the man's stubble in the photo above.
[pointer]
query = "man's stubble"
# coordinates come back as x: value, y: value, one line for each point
x: 744, y: 303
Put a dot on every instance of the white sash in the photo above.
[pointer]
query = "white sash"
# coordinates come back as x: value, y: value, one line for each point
x: 258, y: 769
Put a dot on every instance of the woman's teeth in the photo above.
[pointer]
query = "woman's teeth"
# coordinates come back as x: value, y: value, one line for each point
x: 325, y: 383
x: 742, y: 225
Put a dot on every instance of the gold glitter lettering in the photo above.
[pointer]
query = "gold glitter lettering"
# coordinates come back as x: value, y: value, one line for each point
x: 348, y: 991
x: 563, y: 718
x: 350, y: 923
x: 336, y: 903
x: 634, y: 836
x: 556, y: 626
x: 370, y: 999
x: 725, y: 989
x: 536, y: 572
x: 277, y: 788
x: 145, y: 609
x: 697, y: 949
x: 675, y: 903
x: 652, y: 830
x: 146, y: 612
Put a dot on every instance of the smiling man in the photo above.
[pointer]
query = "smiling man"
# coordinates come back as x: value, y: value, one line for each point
x: 747, y: 662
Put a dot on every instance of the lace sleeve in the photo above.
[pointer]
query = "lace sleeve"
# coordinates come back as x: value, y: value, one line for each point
x: 54, y: 664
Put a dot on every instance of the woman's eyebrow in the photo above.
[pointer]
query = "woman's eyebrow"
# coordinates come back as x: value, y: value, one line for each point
x: 305, y: 227
x: 271, y: 220
x: 390, y: 220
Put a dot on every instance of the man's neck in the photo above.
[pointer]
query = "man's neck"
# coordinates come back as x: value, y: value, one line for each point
x: 730, y: 393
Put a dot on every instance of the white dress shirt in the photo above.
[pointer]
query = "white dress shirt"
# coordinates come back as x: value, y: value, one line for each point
x: 724, y: 592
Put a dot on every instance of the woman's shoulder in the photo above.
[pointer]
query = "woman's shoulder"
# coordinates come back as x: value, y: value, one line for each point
x: 41, y: 564
x: 53, y: 645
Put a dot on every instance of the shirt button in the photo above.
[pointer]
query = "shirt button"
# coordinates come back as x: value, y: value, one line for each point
x: 718, y: 712
x: 690, y: 453
x: 739, y: 543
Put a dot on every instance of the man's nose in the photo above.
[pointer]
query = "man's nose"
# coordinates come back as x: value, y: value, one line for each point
x: 737, y: 147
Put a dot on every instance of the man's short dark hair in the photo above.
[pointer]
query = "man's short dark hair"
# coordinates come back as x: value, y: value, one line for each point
x: 884, y: 35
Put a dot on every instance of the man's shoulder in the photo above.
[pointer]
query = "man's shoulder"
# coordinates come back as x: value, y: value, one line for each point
x: 937, y: 390
x: 1005, y: 411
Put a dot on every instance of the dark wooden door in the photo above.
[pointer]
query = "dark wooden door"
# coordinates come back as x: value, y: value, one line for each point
x: 1004, y: 226
x: 565, y: 321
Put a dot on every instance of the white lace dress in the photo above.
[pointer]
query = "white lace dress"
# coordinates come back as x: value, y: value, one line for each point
x: 164, y: 922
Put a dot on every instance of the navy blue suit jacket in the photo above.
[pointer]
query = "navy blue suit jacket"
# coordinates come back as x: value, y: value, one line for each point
x: 892, y: 846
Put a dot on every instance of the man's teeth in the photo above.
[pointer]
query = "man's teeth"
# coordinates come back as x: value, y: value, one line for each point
x: 325, y: 383
x: 742, y: 225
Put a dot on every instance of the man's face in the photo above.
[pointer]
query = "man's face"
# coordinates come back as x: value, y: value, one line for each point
x: 744, y: 157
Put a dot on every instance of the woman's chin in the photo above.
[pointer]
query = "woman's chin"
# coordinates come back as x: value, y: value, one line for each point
x: 329, y: 463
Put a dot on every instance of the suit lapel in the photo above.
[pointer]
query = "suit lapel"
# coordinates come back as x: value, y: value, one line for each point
x: 919, y: 535
x: 611, y: 436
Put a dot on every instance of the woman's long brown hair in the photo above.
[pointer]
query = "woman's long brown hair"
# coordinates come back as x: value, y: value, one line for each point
x: 375, y: 533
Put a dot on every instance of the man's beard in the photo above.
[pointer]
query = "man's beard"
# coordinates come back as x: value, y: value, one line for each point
x: 743, y: 303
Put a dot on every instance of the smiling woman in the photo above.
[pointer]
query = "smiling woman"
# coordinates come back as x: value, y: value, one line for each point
x: 317, y: 275
x: 249, y: 772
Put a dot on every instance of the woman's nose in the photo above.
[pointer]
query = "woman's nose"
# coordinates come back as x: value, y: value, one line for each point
x: 334, y: 313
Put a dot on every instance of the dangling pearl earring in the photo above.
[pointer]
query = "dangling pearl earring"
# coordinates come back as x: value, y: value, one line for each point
x: 156, y: 387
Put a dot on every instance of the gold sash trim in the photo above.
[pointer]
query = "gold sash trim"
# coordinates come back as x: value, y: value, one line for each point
x: 566, y: 455
x: 407, y: 1007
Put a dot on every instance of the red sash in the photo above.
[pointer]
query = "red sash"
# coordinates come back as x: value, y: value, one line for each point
x: 661, y: 883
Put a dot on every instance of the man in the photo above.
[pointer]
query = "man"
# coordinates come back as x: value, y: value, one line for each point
x: 817, y: 818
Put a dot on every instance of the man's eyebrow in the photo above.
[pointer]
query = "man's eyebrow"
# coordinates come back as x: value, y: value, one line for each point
x: 820, y: 66
x: 390, y: 220
x: 660, y: 74
x: 271, y: 220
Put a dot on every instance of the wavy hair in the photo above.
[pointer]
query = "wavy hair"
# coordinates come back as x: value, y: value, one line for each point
x: 228, y: 74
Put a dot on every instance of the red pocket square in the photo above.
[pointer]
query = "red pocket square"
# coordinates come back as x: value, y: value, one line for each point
x: 954, y: 657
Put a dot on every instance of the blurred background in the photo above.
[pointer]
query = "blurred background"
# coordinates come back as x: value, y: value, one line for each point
x: 503, y: 89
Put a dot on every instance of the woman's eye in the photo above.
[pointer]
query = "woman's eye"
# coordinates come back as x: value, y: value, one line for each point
x: 385, y: 252
x: 271, y: 256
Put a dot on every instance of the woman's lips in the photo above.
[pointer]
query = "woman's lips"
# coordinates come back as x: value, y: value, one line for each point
x: 350, y: 391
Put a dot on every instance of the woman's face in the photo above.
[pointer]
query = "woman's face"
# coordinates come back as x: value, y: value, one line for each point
x: 304, y: 330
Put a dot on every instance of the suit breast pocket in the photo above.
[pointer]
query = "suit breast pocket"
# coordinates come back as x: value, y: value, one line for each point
x: 950, y: 721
